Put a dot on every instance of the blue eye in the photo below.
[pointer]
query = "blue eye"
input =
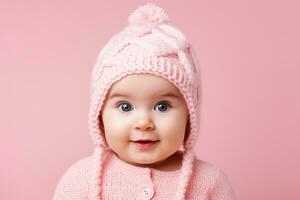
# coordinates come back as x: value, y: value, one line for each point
x: 163, y: 106
x: 124, y: 106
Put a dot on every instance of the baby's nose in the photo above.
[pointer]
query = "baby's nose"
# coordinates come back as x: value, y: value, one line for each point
x: 145, y: 126
x: 144, y: 123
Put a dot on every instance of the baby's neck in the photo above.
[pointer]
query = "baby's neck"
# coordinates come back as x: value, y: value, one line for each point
x: 172, y: 163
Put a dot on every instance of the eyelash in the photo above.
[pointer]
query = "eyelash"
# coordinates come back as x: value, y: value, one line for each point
x: 161, y: 102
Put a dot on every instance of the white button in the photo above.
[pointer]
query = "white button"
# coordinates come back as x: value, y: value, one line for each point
x: 147, y: 193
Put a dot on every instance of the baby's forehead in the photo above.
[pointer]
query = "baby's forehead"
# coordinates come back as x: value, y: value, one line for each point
x: 143, y: 85
x: 128, y: 95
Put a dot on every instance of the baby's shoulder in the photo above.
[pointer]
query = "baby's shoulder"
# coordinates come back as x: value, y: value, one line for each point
x: 214, y: 178
x: 74, y: 181
x: 204, y: 166
x: 205, y: 170
x: 83, y: 168
x: 84, y: 163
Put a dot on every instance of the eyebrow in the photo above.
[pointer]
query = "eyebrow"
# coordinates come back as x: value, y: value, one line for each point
x: 170, y: 94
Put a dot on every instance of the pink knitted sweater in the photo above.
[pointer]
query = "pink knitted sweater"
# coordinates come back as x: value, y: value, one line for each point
x: 124, y: 181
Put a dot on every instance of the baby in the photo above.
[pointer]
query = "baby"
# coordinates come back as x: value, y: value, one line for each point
x: 144, y: 120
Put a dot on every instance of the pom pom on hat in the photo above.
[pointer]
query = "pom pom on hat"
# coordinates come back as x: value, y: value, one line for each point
x: 148, y: 14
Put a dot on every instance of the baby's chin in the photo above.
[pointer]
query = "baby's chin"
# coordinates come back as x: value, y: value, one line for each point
x: 147, y: 163
x: 171, y: 163
x: 148, y: 160
x: 144, y: 160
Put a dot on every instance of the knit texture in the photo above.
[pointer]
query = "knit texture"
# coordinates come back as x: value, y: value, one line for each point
x: 149, y: 44
x: 125, y: 181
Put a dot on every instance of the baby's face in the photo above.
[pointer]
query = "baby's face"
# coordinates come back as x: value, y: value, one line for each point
x: 136, y: 109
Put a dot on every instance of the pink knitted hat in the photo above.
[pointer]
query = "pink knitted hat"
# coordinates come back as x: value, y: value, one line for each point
x: 151, y: 45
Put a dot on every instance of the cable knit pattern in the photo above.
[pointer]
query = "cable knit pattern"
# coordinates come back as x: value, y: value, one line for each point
x: 149, y: 44
x: 125, y: 181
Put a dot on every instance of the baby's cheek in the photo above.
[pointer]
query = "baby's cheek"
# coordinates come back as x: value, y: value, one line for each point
x: 118, y: 129
x: 113, y: 120
x: 116, y: 140
x: 173, y: 124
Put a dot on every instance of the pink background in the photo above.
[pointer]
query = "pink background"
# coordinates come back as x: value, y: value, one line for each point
x: 249, y: 54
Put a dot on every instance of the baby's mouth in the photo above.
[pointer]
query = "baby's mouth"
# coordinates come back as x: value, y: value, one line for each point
x: 145, y: 141
x: 145, y: 144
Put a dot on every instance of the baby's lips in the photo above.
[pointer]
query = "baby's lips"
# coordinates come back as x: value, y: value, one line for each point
x: 144, y: 140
